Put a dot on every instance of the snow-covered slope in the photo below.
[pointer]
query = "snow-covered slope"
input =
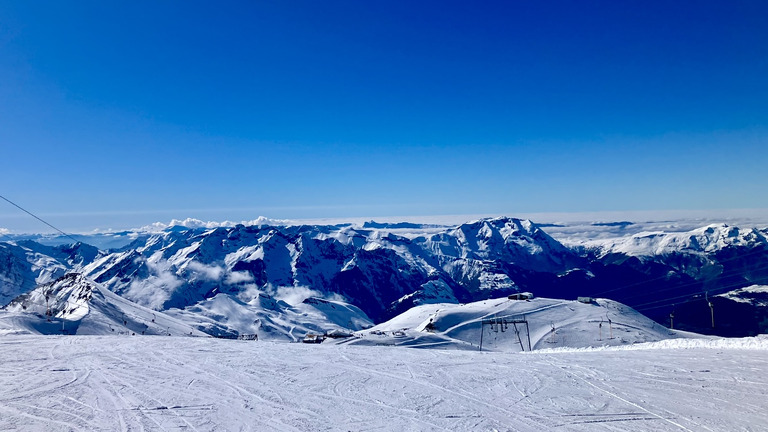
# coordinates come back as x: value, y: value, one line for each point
x: 384, y: 269
x: 268, y: 318
x: 511, y: 240
x: 25, y: 264
x: 510, y: 325
x: 708, y: 239
x: 756, y: 295
x: 381, y: 272
x: 112, y: 383
x: 73, y: 304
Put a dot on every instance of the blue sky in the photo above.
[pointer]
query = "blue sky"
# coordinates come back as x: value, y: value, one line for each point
x: 119, y: 114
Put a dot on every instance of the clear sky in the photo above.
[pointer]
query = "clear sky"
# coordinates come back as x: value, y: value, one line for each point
x: 119, y: 114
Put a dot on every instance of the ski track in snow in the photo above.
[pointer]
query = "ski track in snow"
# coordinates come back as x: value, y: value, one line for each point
x: 107, y: 383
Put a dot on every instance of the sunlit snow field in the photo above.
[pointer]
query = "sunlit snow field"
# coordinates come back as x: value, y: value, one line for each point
x: 60, y: 383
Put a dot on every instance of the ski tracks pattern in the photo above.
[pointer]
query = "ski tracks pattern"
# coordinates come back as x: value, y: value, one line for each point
x: 124, y: 383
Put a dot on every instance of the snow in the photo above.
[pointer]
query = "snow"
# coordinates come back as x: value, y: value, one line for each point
x: 759, y: 343
x: 550, y: 323
x: 124, y: 383
x: 80, y: 306
x: 578, y: 228
x: 754, y: 294
x: 710, y: 238
x: 375, y: 267
x: 197, y: 223
x: 568, y: 228
x: 271, y: 318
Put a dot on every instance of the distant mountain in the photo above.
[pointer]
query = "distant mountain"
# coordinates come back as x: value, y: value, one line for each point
x: 102, y: 241
x: 705, y: 240
x: 228, y: 316
x: 398, y: 225
x: 25, y: 264
x: 657, y: 271
x: 72, y: 304
x: 381, y: 272
x: 216, y: 274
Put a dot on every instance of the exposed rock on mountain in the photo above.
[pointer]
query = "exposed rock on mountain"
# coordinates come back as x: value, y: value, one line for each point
x: 385, y: 269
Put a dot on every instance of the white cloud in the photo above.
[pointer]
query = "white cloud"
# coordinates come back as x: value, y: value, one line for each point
x: 155, y: 290
x: 210, y: 272
x: 197, y: 223
x: 294, y: 295
x: 237, y: 277
x: 249, y: 292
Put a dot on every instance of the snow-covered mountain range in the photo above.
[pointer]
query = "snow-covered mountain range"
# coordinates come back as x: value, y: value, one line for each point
x: 286, y: 280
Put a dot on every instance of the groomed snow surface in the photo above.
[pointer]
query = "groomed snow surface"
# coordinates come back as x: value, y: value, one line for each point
x: 121, y: 383
x: 546, y: 324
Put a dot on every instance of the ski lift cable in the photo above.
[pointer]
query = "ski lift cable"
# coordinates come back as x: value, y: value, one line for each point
x: 671, y: 301
x: 638, y: 307
x: 719, y: 290
x: 57, y: 229
x: 663, y: 302
x: 38, y: 218
x: 730, y: 273
x: 666, y: 301
x: 754, y: 251
x: 37, y: 284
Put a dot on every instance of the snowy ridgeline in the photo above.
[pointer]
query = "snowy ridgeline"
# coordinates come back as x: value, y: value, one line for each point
x: 284, y: 281
x: 76, y: 305
x: 203, y: 384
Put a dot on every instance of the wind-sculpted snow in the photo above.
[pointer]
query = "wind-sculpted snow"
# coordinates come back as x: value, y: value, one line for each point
x: 123, y: 383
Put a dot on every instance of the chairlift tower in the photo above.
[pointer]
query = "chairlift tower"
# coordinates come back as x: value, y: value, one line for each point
x: 711, y: 308
x: 600, y: 326
x: 47, y: 308
x: 502, y: 324
x: 610, y: 327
